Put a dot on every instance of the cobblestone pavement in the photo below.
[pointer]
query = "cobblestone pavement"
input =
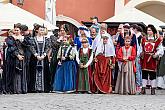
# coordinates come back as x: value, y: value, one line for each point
x: 54, y: 101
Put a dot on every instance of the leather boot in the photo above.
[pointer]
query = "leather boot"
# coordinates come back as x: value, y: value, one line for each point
x: 143, y: 91
x: 152, y: 91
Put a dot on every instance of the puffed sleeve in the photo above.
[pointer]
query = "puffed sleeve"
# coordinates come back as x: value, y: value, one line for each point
x: 160, y: 50
x: 59, y: 53
x: 11, y: 44
x: 73, y: 54
x: 47, y: 46
x: 120, y: 55
x: 133, y: 54
x: 33, y: 46
x: 90, y: 60
x: 77, y: 57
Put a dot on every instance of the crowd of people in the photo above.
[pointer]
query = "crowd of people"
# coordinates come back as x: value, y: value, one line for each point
x: 92, y: 62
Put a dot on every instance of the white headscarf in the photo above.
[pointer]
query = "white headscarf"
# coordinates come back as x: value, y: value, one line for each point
x: 109, y: 47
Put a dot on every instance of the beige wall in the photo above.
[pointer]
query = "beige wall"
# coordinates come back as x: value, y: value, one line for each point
x: 36, y: 7
x: 155, y: 10
x: 4, y: 1
x: 82, y: 10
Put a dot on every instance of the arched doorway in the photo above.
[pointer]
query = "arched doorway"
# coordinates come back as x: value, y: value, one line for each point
x: 73, y: 24
x: 154, y: 8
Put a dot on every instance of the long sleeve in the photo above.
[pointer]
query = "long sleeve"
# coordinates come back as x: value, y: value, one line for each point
x: 33, y: 46
x: 73, y: 53
x: 139, y: 50
x: 90, y: 60
x: 160, y: 51
x: 47, y: 46
x: 10, y: 43
x: 90, y: 41
x: 59, y: 53
x: 133, y: 54
x: 77, y: 57
x: 120, y: 55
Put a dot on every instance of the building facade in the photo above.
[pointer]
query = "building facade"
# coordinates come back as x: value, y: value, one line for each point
x: 75, y: 11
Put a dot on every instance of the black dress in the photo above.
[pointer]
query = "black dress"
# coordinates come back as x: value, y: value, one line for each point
x: 39, y: 70
x: 15, y: 69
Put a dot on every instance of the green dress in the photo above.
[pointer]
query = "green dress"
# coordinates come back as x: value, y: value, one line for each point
x: 83, y: 73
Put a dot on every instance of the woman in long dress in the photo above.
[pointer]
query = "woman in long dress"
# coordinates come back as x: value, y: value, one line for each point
x: 65, y: 76
x: 84, y: 79
x: 15, y: 62
x: 56, y: 42
x: 126, y: 77
x: 104, y: 58
x: 39, y: 64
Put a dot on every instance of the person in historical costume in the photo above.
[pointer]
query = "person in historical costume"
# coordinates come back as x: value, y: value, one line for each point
x: 1, y: 71
x: 39, y: 64
x: 161, y: 68
x: 120, y: 32
x: 56, y: 42
x: 65, y: 76
x: 55, y: 45
x: 137, y: 31
x: 83, y: 32
x: 152, y: 50
x: 126, y: 77
x: 27, y: 44
x: 104, y: 58
x: 120, y: 41
x: 15, y: 62
x: 94, y: 33
x: 35, y: 29
x: 95, y: 36
x: 85, y: 58
x: 7, y: 73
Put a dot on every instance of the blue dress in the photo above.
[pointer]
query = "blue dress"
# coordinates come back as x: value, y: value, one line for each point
x: 77, y: 41
x: 65, y: 76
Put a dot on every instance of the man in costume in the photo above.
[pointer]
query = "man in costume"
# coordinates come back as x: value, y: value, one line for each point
x: 137, y: 31
x: 152, y: 50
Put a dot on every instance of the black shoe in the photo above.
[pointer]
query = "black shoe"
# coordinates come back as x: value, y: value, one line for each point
x: 143, y: 91
x: 152, y: 91
x: 159, y: 88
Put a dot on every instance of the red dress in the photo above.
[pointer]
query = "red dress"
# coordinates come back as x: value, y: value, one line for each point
x: 149, y: 48
x: 102, y: 73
